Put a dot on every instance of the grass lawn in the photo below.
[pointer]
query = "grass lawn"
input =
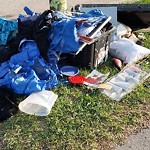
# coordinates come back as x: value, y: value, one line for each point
x: 81, y: 118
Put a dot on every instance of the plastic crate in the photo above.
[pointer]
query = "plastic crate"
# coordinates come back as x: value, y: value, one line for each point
x: 95, y: 54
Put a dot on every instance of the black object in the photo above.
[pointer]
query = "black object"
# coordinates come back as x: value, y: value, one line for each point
x: 96, y: 53
x: 8, y: 104
x: 15, y: 42
x: 77, y: 8
x: 93, y: 55
x: 6, y: 52
x: 37, y: 28
x: 133, y: 15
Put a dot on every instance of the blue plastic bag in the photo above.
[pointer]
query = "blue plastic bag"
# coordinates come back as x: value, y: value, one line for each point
x: 27, y: 72
x: 26, y: 81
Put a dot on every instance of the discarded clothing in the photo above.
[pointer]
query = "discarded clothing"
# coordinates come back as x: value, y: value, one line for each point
x: 36, y: 28
x: 6, y: 52
x: 6, y: 29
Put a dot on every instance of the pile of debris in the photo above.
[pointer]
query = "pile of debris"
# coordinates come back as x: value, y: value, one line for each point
x: 33, y: 45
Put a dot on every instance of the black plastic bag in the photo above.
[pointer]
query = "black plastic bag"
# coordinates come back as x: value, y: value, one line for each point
x: 37, y: 28
x: 8, y: 104
x: 6, y: 52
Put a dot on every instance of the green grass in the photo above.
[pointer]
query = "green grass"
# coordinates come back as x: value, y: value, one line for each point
x: 143, y: 2
x: 81, y: 118
x: 138, y: 2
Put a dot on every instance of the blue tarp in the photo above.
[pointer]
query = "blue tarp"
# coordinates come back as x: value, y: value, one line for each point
x: 63, y: 35
x: 27, y: 72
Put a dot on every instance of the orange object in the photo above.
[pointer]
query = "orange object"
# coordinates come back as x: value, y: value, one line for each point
x: 118, y: 63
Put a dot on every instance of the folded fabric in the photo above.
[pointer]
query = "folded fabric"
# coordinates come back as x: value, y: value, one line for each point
x: 6, y: 28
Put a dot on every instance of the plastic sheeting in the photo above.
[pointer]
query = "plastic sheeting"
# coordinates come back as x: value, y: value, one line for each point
x: 63, y: 35
x: 27, y: 72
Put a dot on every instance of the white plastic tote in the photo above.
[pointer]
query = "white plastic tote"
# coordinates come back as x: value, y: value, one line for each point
x: 38, y: 103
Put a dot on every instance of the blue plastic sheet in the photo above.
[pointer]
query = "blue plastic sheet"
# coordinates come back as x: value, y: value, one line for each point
x: 26, y: 81
x: 27, y: 72
x: 63, y: 36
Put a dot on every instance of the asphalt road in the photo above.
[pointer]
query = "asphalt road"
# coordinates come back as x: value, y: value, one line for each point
x: 10, y: 9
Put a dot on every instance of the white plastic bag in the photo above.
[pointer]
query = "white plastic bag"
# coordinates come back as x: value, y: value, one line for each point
x: 122, y: 30
x: 128, y: 51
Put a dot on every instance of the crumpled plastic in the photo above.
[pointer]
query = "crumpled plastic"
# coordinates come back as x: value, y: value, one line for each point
x: 27, y: 72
